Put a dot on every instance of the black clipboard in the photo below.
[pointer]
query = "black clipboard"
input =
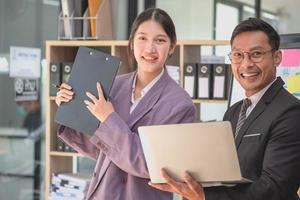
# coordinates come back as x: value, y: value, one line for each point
x: 90, y: 66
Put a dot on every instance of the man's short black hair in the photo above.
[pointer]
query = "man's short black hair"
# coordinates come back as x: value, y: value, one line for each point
x: 255, y: 24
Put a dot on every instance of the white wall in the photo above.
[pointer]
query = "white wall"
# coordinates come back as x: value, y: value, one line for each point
x: 288, y: 12
x: 193, y: 18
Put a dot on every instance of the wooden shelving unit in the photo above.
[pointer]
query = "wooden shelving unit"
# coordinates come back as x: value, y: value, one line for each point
x: 65, y: 51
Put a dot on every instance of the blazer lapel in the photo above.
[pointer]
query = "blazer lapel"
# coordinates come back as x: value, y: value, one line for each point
x: 122, y: 102
x: 259, y: 108
x: 149, y: 100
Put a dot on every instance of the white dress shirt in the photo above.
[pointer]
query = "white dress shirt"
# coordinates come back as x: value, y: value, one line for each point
x: 135, y: 102
x: 256, y: 97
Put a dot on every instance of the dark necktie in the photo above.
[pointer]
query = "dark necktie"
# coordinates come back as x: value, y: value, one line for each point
x: 242, y: 116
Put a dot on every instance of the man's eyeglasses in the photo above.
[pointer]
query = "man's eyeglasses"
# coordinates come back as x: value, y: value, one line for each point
x: 255, y: 56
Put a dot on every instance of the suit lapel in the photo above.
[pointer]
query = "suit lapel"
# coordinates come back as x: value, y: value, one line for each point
x: 149, y: 100
x: 259, y: 108
x: 122, y: 102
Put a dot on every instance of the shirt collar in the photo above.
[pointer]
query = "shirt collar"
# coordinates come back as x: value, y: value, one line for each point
x: 147, y: 87
x: 257, y: 96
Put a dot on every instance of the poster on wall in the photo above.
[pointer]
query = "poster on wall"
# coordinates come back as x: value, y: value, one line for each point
x: 25, y: 62
x: 289, y: 70
x: 26, y: 89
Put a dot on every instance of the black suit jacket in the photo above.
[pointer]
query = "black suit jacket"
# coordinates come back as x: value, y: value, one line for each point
x: 268, y: 147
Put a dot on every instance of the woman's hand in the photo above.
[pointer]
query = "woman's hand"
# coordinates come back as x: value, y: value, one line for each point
x: 100, y: 108
x: 65, y: 94
x: 189, y: 189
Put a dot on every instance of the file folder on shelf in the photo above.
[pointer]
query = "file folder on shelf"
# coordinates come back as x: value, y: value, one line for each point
x: 66, y: 71
x: 204, y: 81
x: 190, y: 72
x: 90, y: 66
x: 93, y: 8
x: 95, y: 24
x: 220, y: 81
x: 67, y: 7
x: 79, y: 8
x: 55, y: 77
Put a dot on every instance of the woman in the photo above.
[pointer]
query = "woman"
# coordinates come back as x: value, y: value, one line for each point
x: 145, y: 97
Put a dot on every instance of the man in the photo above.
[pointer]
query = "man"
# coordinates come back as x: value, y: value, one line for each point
x: 32, y: 120
x: 267, y: 129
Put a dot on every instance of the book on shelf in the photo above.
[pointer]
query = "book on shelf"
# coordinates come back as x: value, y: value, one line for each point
x: 67, y: 8
x: 69, y: 185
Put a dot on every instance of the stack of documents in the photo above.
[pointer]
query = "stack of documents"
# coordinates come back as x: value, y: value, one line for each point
x: 173, y: 71
x: 69, y: 186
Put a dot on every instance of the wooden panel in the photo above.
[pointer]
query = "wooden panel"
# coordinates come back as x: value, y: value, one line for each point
x: 53, y: 126
x: 192, y: 54
x: 127, y: 65
x: 175, y: 58
x: 61, y: 164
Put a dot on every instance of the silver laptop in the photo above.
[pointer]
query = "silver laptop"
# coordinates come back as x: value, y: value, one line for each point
x: 206, y: 150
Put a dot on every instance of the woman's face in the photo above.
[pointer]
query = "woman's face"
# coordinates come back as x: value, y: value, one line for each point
x: 151, y: 47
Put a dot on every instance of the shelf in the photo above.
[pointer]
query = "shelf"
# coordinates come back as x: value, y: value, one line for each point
x: 64, y: 154
x: 194, y: 100
x: 204, y: 42
x: 198, y: 101
x: 92, y: 43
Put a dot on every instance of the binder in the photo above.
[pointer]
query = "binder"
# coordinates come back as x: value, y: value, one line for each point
x: 67, y: 148
x: 90, y: 66
x: 220, y: 81
x: 60, y: 145
x: 93, y: 6
x: 86, y: 32
x: 85, y: 19
x: 66, y: 71
x: 67, y: 7
x: 79, y: 8
x: 204, y: 81
x: 190, y: 72
x: 55, y: 77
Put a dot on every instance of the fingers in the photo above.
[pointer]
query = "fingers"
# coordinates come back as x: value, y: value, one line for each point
x: 92, y: 97
x: 168, y: 179
x: 64, y: 95
x: 90, y: 108
x: 89, y: 105
x: 100, y: 92
x: 193, y: 185
x: 65, y: 86
x: 161, y: 186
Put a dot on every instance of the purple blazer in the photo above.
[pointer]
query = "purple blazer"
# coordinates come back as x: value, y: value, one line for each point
x: 121, y: 171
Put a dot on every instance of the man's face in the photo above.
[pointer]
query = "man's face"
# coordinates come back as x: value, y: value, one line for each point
x: 252, y: 75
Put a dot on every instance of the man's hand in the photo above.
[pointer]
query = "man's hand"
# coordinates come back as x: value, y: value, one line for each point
x: 189, y: 189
